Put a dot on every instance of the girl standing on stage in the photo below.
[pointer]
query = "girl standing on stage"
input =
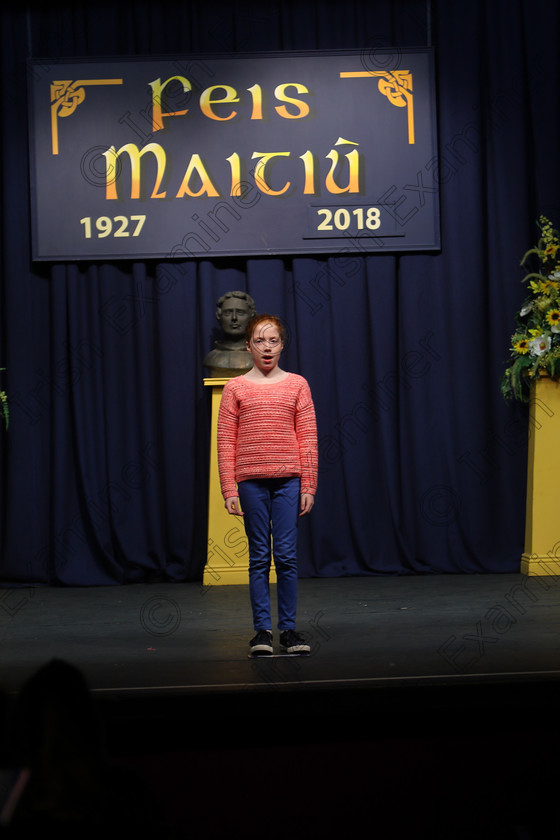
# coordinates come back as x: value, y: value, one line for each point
x: 267, y: 457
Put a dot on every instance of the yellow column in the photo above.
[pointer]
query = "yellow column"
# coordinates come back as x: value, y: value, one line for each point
x: 542, y: 524
x: 227, y: 559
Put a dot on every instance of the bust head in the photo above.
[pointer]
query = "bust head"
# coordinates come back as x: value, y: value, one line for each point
x: 229, y: 357
x: 234, y: 311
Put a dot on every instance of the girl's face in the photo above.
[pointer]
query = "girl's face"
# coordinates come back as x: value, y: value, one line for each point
x: 265, y: 347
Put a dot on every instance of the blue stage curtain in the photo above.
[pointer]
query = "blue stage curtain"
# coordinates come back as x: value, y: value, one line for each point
x: 104, y: 471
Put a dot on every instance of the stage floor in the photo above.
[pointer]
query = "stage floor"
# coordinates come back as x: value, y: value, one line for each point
x: 365, y: 633
x: 427, y: 708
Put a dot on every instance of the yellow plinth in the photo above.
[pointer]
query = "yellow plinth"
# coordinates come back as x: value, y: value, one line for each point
x: 542, y: 529
x: 227, y: 559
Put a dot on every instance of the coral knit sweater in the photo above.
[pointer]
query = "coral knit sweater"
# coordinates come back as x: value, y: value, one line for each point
x: 267, y: 431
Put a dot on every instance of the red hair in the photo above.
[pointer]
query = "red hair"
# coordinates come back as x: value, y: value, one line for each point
x: 264, y: 319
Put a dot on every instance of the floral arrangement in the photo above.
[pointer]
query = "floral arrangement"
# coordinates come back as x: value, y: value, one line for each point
x: 4, y: 406
x: 535, y: 345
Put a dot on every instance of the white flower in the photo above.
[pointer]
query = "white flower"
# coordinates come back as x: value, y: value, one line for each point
x: 539, y: 345
x: 526, y: 309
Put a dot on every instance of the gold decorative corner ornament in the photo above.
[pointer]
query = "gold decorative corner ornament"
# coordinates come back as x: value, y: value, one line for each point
x: 65, y: 98
x: 396, y: 85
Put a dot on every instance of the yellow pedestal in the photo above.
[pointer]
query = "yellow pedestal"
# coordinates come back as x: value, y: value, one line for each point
x: 227, y: 560
x: 542, y: 528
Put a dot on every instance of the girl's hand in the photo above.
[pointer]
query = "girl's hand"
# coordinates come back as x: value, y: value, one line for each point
x: 233, y: 507
x: 306, y: 503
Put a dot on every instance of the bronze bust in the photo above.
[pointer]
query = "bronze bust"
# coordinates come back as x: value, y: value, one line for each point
x: 229, y: 356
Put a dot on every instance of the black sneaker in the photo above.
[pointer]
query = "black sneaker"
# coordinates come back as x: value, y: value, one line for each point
x: 261, y: 645
x: 293, y: 642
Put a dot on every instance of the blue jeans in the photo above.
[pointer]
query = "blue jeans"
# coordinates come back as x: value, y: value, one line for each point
x: 271, y: 510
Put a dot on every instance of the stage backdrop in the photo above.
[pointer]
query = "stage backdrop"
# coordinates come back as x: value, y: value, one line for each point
x: 422, y: 466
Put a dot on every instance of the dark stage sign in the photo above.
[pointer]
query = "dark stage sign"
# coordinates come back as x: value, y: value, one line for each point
x: 254, y: 154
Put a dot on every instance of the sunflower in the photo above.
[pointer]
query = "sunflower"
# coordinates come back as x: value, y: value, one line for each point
x: 546, y: 287
x: 521, y: 345
x: 553, y: 317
